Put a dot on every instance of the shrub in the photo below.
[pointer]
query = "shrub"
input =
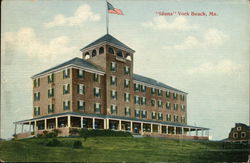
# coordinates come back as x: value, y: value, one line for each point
x: 39, y: 135
x: 74, y: 131
x: 53, y: 143
x: 77, y: 144
x: 94, y: 133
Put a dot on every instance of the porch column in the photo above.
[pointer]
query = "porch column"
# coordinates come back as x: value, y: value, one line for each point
x: 160, y: 129
x: 93, y: 123
x: 182, y: 131
x: 189, y: 131
x: 208, y: 133
x: 141, y: 127
x: 166, y: 129
x: 29, y: 126
x: 196, y: 132
x: 175, y: 130
x: 81, y: 121
x: 45, y: 124
x: 131, y: 126
x: 202, y: 132
x: 151, y: 126
x: 56, y: 121
x: 35, y: 126
x: 69, y: 123
x: 15, y: 129
x: 107, y: 125
x: 22, y: 127
x: 104, y: 124
x: 120, y: 125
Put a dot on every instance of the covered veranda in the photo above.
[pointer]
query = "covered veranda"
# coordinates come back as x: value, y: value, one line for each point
x: 65, y: 121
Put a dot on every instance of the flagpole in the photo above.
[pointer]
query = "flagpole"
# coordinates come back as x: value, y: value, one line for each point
x: 107, y: 17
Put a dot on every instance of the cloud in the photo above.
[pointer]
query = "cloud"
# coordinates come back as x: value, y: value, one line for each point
x: 212, y: 37
x: 25, y: 40
x: 223, y: 66
x: 179, y: 23
x: 81, y: 15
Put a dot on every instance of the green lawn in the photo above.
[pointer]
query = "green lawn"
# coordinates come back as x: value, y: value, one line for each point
x: 117, y: 149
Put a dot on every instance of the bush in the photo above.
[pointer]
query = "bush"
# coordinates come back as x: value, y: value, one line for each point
x: 106, y: 133
x: 53, y: 143
x: 74, y: 131
x: 39, y: 135
x: 77, y: 144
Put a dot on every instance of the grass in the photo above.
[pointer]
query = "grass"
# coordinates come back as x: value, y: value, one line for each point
x: 118, y: 149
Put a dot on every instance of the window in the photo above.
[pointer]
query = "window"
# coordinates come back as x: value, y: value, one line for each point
x: 114, y: 94
x: 81, y: 105
x: 36, y: 110
x: 119, y: 53
x: 113, y: 66
x: 144, y: 114
x: 126, y: 83
x: 176, y: 118
x: 93, y: 53
x: 143, y: 100
x: 66, y: 105
x: 243, y: 135
x: 160, y: 104
x: 168, y: 117
x: 101, y: 50
x: 127, y: 111
x: 126, y: 70
x: 168, y: 105
x: 80, y: 89
x: 182, y: 97
x: 152, y: 90
x: 80, y: 73
x: 126, y: 97
x: 113, y: 109
x: 153, y: 102
x: 51, y: 78
x: 160, y: 116
x: 175, y: 106
x: 153, y: 115
x: 65, y: 88
x: 238, y: 128
x: 235, y: 135
x: 113, y: 80
x: 87, y: 56
x: 167, y: 94
x: 50, y: 92
x: 36, y: 82
x: 137, y: 100
x: 137, y: 113
x: 136, y: 87
x: 65, y: 73
x: 111, y: 51
x: 143, y: 88
x: 51, y: 108
x: 96, y: 77
x: 36, y: 96
x: 175, y: 95
x: 97, y: 92
x: 97, y: 107
x: 159, y: 92
x: 183, y: 119
x: 183, y: 108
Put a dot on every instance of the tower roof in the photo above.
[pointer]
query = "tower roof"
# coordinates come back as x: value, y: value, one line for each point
x: 108, y: 39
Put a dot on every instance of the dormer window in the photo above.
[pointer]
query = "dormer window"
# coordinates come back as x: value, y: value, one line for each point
x: 111, y: 51
x: 93, y: 53
x: 128, y: 57
x: 119, y: 53
x: 101, y: 50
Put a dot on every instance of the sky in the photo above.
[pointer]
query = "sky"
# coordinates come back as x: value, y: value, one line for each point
x: 206, y: 56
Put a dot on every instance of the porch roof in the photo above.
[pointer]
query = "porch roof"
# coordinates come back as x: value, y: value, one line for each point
x: 110, y: 117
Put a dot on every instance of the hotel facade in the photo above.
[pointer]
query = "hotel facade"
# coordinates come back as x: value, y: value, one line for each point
x: 100, y: 91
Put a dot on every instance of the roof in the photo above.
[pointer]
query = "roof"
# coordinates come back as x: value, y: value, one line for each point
x: 75, y: 61
x: 109, y: 39
x: 242, y: 124
x: 153, y: 82
x: 111, y: 116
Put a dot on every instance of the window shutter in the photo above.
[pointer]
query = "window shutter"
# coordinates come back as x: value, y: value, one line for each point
x: 78, y: 88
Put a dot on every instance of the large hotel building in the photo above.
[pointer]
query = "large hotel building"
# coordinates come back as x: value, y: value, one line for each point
x: 100, y: 91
